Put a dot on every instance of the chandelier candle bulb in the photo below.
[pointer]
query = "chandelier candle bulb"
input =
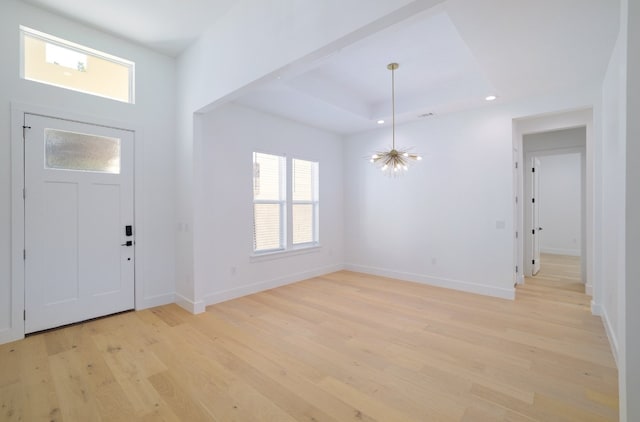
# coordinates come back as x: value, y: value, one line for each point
x: 393, y: 159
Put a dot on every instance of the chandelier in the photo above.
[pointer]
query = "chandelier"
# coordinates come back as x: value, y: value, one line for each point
x: 394, y: 161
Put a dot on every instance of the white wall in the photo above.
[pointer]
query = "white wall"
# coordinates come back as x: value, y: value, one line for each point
x: 438, y: 223
x: 449, y: 221
x: 560, y: 203
x: 630, y: 388
x: 254, y: 42
x: 153, y: 115
x: 224, y: 214
x: 613, y: 179
x: 621, y: 225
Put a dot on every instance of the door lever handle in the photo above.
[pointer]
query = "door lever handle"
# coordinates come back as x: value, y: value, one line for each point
x: 128, y: 243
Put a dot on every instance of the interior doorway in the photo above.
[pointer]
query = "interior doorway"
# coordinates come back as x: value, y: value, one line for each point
x: 560, y: 202
x: 555, y: 196
x: 547, y: 127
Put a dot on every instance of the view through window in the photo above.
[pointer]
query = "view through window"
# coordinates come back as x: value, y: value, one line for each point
x: 285, y: 203
x: 54, y: 61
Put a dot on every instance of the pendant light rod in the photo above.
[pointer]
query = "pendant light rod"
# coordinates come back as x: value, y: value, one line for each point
x: 392, y: 67
x: 394, y: 161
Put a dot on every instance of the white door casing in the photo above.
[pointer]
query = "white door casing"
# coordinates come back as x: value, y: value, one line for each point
x: 535, y: 214
x: 77, y: 262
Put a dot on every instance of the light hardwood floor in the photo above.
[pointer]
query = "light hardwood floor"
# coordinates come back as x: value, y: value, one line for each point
x: 343, y: 347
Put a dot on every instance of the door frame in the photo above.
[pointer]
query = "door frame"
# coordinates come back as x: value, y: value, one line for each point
x: 532, y: 224
x: 551, y: 122
x: 16, y: 330
x: 528, y: 250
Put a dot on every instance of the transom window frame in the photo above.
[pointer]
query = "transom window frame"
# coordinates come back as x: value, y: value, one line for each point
x: 66, y: 44
x: 288, y: 248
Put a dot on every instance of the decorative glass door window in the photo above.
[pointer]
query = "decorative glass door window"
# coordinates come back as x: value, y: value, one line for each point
x: 78, y: 151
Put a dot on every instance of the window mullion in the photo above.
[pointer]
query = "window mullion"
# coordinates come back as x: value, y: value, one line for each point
x: 315, y: 190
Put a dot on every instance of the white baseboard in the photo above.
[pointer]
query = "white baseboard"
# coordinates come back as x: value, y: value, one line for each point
x: 191, y: 306
x: 158, y: 300
x: 588, y: 289
x: 465, y: 286
x: 556, y: 251
x: 224, y: 295
x: 9, y: 335
x: 613, y: 339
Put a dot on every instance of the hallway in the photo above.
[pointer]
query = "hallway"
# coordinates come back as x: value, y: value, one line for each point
x: 557, y: 281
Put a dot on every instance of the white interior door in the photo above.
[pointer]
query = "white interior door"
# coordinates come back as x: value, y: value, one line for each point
x: 79, y: 255
x: 535, y: 214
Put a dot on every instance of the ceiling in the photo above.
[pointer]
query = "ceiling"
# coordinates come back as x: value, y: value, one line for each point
x: 450, y: 57
x: 167, y: 26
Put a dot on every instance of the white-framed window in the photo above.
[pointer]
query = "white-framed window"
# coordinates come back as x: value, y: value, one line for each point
x: 304, y: 202
x: 269, y: 202
x: 54, y: 61
x: 285, y: 203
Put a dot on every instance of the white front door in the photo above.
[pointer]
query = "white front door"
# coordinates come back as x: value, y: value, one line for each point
x: 535, y: 214
x: 79, y: 243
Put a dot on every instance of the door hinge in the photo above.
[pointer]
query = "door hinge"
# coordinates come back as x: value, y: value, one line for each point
x: 516, y: 164
x: 533, y: 169
x: 24, y: 314
x: 24, y: 254
x: 533, y: 231
x: 516, y: 235
x: 533, y: 262
x: 516, y: 199
x: 533, y: 200
x: 24, y: 193
x: 24, y: 130
x: 516, y: 269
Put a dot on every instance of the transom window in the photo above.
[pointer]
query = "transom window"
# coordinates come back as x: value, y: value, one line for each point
x: 285, y: 203
x: 54, y: 61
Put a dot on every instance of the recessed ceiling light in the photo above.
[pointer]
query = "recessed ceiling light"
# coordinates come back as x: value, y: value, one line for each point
x: 490, y: 97
x: 380, y: 122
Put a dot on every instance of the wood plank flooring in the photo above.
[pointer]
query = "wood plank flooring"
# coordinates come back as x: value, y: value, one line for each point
x: 342, y: 347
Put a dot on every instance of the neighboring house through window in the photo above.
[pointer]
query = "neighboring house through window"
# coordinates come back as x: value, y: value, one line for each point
x: 58, y: 62
x: 285, y: 203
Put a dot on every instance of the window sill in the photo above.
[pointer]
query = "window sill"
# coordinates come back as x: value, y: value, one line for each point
x: 268, y: 256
